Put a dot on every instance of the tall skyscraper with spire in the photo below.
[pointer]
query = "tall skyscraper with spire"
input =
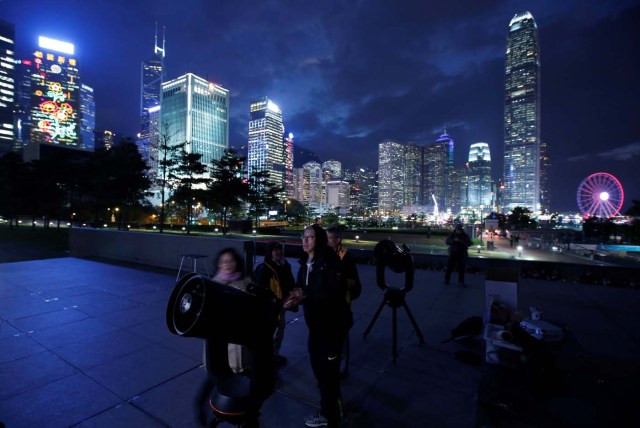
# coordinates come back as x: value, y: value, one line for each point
x: 438, y: 172
x: 152, y: 77
x: 522, y: 152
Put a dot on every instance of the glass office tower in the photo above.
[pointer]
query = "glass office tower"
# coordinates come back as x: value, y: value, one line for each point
x: 87, y: 118
x: 479, y: 176
x: 522, y: 157
x: 390, y: 177
x: 152, y: 76
x: 7, y: 85
x: 438, y: 170
x: 267, y: 147
x: 196, y: 111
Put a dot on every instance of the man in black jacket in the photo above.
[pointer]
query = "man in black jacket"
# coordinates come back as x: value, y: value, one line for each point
x: 328, y: 317
x: 458, y: 243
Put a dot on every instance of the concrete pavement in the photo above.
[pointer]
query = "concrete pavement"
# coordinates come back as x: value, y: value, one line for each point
x: 84, y: 343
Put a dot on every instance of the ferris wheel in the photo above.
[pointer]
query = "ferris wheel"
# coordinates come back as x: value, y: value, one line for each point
x: 600, y: 195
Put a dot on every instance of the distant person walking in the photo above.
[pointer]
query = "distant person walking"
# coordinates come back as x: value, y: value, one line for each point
x: 458, y: 243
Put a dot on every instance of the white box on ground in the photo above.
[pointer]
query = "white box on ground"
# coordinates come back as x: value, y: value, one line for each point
x: 501, y: 285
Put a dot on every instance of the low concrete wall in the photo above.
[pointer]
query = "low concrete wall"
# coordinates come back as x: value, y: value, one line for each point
x: 152, y: 249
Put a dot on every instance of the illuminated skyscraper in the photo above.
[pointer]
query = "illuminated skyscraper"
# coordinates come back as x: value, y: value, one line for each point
x: 332, y: 169
x: 312, y: 183
x: 196, y: 111
x: 438, y: 170
x: 21, y: 121
x: 289, y: 166
x: 412, y: 174
x: 522, y: 115
x: 479, y: 176
x: 87, y: 118
x: 7, y: 85
x: 55, y: 98
x: 363, y: 190
x: 390, y: 176
x: 152, y: 76
x: 267, y: 149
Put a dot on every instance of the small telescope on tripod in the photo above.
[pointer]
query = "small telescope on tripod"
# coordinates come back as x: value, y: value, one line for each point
x: 399, y: 260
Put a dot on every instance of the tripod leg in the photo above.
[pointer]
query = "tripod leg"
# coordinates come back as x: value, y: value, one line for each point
x: 375, y: 317
x: 413, y: 321
x: 394, y: 351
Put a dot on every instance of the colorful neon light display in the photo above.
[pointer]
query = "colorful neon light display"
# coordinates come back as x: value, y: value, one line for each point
x: 55, y: 99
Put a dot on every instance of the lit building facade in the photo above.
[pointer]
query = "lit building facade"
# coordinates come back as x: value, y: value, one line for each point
x: 412, y: 174
x: 196, y: 111
x: 104, y: 140
x: 22, y: 125
x: 267, y: 147
x: 151, y: 78
x: 288, y: 167
x: 363, y: 190
x: 55, y: 98
x: 332, y: 169
x: 338, y: 196
x: 154, y: 142
x: 312, y: 183
x: 479, y: 192
x: 522, y: 161
x: 437, y: 173
x: 390, y: 177
x: 7, y: 85
x: 87, y: 118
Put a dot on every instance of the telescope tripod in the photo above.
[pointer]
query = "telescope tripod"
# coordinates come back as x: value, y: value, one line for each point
x: 395, y: 298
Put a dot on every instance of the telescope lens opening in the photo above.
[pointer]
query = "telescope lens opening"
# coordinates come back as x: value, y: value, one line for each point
x: 185, y: 303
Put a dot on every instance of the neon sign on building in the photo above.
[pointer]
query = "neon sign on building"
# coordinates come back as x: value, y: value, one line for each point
x: 56, y: 94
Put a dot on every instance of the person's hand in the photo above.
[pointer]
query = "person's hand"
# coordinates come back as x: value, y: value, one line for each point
x: 294, y: 298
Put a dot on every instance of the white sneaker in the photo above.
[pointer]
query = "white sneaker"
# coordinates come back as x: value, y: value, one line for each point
x: 316, y: 420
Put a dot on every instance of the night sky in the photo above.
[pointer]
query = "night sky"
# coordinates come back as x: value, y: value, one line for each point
x: 349, y: 74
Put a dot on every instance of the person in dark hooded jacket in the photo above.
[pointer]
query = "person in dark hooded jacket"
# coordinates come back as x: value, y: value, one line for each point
x: 458, y: 243
x: 274, y: 273
x: 328, y: 317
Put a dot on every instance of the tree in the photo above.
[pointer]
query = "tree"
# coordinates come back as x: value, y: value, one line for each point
x: 634, y: 210
x: 12, y: 170
x: 263, y: 194
x: 296, y: 211
x: 520, y: 218
x: 120, y: 181
x: 189, y: 176
x: 167, y: 163
x: 227, y: 189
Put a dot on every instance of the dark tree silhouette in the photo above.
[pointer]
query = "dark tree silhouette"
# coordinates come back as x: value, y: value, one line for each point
x: 189, y: 177
x: 227, y: 188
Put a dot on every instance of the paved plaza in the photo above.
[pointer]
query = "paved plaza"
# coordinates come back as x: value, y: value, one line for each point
x: 84, y: 343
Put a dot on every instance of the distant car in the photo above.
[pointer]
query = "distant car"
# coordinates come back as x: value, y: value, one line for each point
x: 535, y: 243
x: 502, y: 233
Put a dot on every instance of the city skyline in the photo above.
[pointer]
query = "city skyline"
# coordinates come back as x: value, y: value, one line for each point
x: 337, y: 72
